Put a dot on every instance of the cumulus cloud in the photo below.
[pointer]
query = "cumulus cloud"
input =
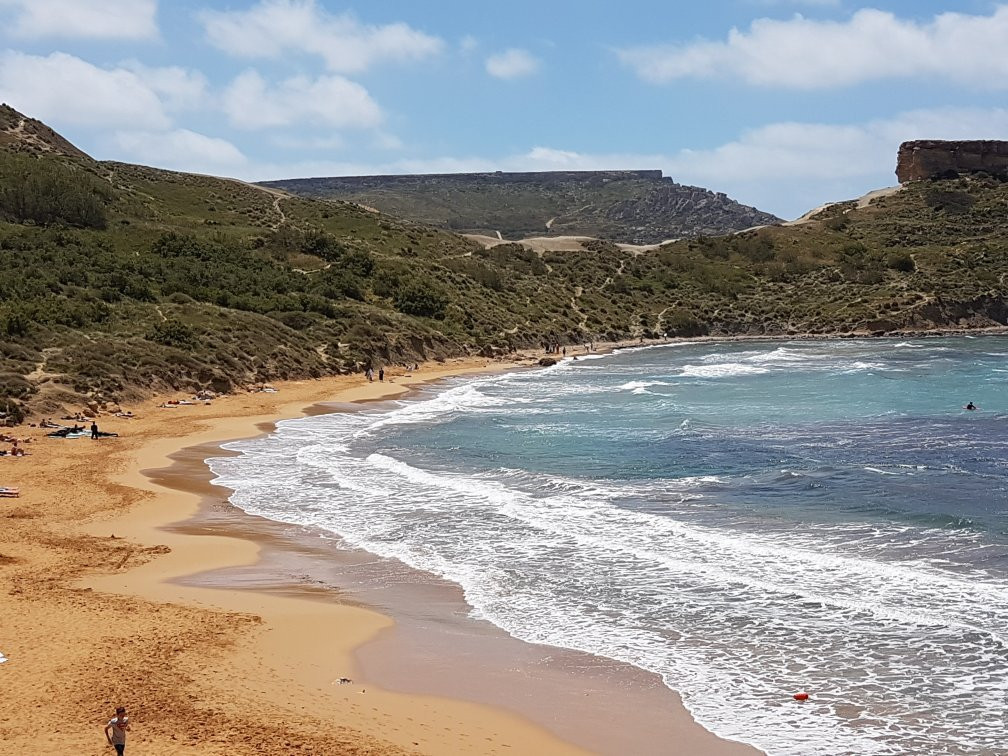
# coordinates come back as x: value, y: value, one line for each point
x: 805, y: 54
x: 789, y: 168
x: 511, y: 64
x: 784, y: 152
x: 274, y: 28
x: 179, y: 88
x: 250, y: 102
x: 64, y: 89
x: 96, y: 19
x: 181, y: 150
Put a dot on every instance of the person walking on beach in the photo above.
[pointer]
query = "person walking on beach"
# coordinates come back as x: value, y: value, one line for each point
x: 94, y: 429
x: 381, y: 374
x: 115, y: 730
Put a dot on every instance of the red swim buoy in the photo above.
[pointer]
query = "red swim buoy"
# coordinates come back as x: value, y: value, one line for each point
x: 801, y: 696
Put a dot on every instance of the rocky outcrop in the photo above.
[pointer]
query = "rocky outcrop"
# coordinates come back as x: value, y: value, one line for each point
x: 936, y: 159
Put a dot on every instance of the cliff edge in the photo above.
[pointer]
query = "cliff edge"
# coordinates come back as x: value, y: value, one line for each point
x: 937, y: 159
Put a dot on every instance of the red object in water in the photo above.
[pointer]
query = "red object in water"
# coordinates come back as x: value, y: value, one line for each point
x: 801, y: 696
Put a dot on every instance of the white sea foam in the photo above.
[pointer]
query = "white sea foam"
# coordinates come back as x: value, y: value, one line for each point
x: 520, y: 558
x: 722, y: 370
x: 637, y: 385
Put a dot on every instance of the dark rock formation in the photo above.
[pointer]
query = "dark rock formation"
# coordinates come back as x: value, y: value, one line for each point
x: 936, y: 159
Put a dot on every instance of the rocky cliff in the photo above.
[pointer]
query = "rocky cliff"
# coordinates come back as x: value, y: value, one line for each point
x: 935, y: 159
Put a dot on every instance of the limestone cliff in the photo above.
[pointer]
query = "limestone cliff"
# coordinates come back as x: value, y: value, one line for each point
x: 934, y: 159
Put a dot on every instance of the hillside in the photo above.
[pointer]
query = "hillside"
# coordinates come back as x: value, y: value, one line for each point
x: 118, y: 281
x: 634, y: 207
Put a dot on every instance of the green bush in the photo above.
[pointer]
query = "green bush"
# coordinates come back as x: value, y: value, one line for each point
x: 173, y: 333
x: 901, y: 262
x: 423, y: 298
x: 50, y: 192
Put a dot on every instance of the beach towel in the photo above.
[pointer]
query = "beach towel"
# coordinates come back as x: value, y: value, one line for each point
x: 10, y: 493
x: 2, y: 658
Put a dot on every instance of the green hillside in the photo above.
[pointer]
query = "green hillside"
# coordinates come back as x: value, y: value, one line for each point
x: 118, y: 281
x: 633, y: 207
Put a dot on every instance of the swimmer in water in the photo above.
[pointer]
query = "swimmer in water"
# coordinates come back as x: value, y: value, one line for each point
x: 970, y: 406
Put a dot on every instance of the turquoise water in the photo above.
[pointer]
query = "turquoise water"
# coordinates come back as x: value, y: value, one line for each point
x: 747, y: 519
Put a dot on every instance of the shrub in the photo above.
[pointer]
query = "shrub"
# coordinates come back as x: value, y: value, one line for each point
x: 901, y: 262
x: 419, y: 297
x: 49, y: 192
x: 173, y: 333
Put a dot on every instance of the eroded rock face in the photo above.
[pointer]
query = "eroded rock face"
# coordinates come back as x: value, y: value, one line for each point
x: 934, y: 158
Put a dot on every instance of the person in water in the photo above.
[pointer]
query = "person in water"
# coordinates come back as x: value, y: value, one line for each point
x: 970, y: 406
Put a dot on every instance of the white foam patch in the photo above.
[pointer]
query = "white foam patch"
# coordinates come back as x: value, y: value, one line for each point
x: 570, y: 569
x: 723, y: 370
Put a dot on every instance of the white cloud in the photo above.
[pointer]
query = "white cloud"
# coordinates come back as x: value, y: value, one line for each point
x: 789, y: 168
x: 180, y: 150
x: 786, y: 152
x: 511, y: 64
x: 806, y: 54
x: 64, y: 89
x: 96, y: 19
x: 250, y: 102
x: 274, y: 28
x: 179, y: 88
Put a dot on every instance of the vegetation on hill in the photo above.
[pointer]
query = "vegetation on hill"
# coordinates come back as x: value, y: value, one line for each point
x: 635, y: 207
x: 117, y: 281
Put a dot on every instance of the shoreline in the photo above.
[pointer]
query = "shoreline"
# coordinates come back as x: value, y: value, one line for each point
x: 214, y: 649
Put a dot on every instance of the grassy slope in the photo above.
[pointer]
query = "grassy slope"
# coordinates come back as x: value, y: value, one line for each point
x: 196, y: 281
x: 621, y: 206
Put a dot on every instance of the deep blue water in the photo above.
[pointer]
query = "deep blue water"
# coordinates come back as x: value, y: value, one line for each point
x: 747, y: 519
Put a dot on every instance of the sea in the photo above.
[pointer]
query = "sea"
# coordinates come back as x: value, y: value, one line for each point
x: 748, y: 520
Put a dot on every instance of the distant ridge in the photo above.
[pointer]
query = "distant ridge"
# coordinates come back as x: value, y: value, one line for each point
x: 410, y: 179
x: 630, y: 206
x: 20, y: 133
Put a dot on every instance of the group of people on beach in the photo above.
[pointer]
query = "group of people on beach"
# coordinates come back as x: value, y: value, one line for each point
x: 555, y: 347
x: 369, y: 373
x: 16, y: 449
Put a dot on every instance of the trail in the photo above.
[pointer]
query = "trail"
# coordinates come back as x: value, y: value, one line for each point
x: 277, y: 195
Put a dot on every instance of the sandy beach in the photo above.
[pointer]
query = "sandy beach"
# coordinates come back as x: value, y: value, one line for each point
x: 129, y: 580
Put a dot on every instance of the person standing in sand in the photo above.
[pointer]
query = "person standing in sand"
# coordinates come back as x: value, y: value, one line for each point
x: 94, y: 429
x: 115, y: 730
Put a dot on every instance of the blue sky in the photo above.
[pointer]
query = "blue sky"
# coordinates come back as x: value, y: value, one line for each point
x: 782, y: 104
